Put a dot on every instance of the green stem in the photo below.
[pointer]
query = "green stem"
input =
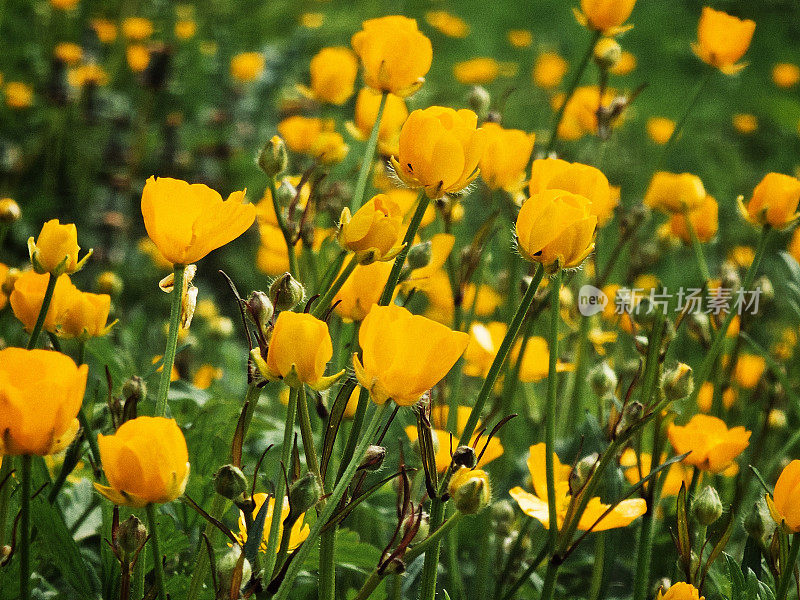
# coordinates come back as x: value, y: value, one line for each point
x: 397, y: 267
x: 155, y: 546
x: 137, y: 582
x: 697, y: 247
x: 327, y: 566
x: 48, y: 297
x: 550, y: 576
x: 287, y: 235
x: 550, y: 418
x: 251, y: 398
x: 25, y: 528
x: 644, y: 553
x: 322, y: 305
x: 788, y: 569
x: 5, y: 495
x: 598, y: 566
x: 201, y: 564
x: 369, y: 153
x: 307, y: 433
x: 682, y: 121
x: 172, y: 341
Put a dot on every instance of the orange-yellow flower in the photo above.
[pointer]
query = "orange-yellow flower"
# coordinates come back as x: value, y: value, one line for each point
x: 85, y: 315
x: 723, y: 39
x: 712, y: 446
x: 680, y: 591
x: 605, y: 15
x: 447, y: 24
x: 28, y: 294
x: 440, y: 150
x: 185, y: 29
x: 675, y: 193
x: 187, y: 221
x: 536, y: 360
x: 484, y: 341
x: 41, y: 393
x: 637, y: 468
x: 745, y: 123
x: 362, y: 290
x: 247, y: 66
x: 556, y: 228
x: 404, y: 355
x: 333, y: 74
x: 626, y: 64
x: 105, y: 30
x: 783, y: 505
x: 749, y: 370
x: 660, y: 129
x: 272, y: 257
x: 774, y: 201
x: 314, y: 137
x: 137, y: 28
x: 374, y: 231
x: 520, y: 38
x: 68, y: 53
x: 394, y: 115
x: 785, y: 75
x: 580, y: 114
x: 138, y: 57
x: 704, y: 220
x: 549, y: 70
x: 18, y: 95
x: 505, y: 158
x: 56, y: 249
x: 395, y: 55
x: 481, y: 70
x: 535, y: 505
x: 297, y: 535
x: 146, y: 462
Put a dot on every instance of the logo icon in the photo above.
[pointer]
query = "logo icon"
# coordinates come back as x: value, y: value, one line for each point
x: 591, y: 300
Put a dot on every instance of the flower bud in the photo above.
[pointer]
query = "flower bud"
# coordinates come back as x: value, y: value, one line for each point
x: 707, y: 506
x: 464, y: 456
x: 304, y: 494
x: 260, y: 309
x: 678, y: 382
x: 273, y: 159
x: 630, y: 414
x: 230, y: 482
x: 502, y: 517
x: 285, y: 193
x: 109, y: 283
x: 226, y: 569
x: 607, y: 53
x: 134, y: 389
x: 581, y: 473
x: 9, y: 211
x: 419, y: 255
x: 470, y: 490
x: 764, y: 284
x: 603, y: 379
x: 479, y: 101
x: 131, y: 536
x: 699, y: 327
x: 758, y: 524
x: 286, y: 292
x: 373, y: 459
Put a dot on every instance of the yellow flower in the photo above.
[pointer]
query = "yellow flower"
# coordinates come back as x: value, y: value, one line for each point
x: 723, y: 39
x: 704, y: 220
x: 447, y: 24
x: 56, y: 249
x: 505, y: 158
x: 187, y: 221
x: 185, y: 29
x: 138, y: 57
x: 146, y: 462
x: 626, y: 64
x: 247, y: 66
x: 404, y: 355
x: 580, y: 114
x: 374, y: 231
x: 68, y: 53
x: 394, y: 115
x: 137, y: 28
x: 484, y: 341
x: 470, y: 490
x: 18, y: 95
x: 774, y: 201
x: 549, y: 70
x: 660, y: 129
x: 408, y: 200
x: 105, y: 30
x: 85, y: 315
x: 680, y: 591
x: 41, y: 393
x: 481, y: 70
x: 520, y: 38
x: 312, y: 20
x: 206, y: 375
x: 783, y: 505
x: 28, y: 294
x: 674, y: 193
x: 440, y: 150
x: 64, y: 4
x: 88, y: 74
x: 536, y: 360
x: 487, y: 301
x: 535, y: 505
x: 333, y: 74
x: 785, y: 75
x: 395, y: 55
x: 584, y: 180
x: 745, y: 123
x: 273, y: 257
x: 637, y: 468
x: 749, y: 370
x: 712, y: 446
x: 605, y: 15
x: 329, y: 147
x: 556, y: 229
x: 314, y: 137
x: 297, y: 535
x: 362, y: 290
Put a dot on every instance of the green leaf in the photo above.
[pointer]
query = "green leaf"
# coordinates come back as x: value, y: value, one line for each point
x: 350, y: 552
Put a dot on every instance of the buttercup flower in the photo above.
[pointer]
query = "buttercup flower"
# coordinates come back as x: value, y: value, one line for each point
x: 536, y: 360
x: 314, y: 137
x: 41, y: 393
x: 394, y: 115
x: 297, y: 535
x: 556, y: 229
x: 723, y: 39
x: 396, y: 56
x: 18, y: 95
x: 774, y: 201
x: 138, y: 57
x: 440, y: 149
x: 704, y: 220
x: 783, y: 505
x: 447, y: 24
x: 185, y: 29
x: 187, y: 221
x: 68, y: 53
x: 247, y: 66
x: 505, y: 158
x: 637, y: 468
x: 549, y: 70
x: 745, y: 123
x: 712, y: 446
x: 56, y: 249
x: 404, y: 355
x: 605, y: 15
x: 28, y: 294
x: 470, y: 490
x: 481, y: 70
x: 580, y: 114
x: 680, y: 591
x: 675, y: 193
x: 333, y: 74
x: 484, y: 341
x: 105, y: 30
x: 535, y: 505
x: 273, y: 256
x: 660, y: 129
x: 362, y: 290
x: 86, y: 315
x: 137, y: 28
x: 749, y: 370
x: 520, y: 38
x: 785, y: 75
x: 374, y: 231
x: 146, y: 462
x: 626, y: 64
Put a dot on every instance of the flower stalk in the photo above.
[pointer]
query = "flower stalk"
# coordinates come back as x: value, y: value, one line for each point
x: 172, y: 341
x: 48, y: 297
x: 369, y: 153
x: 155, y: 546
x: 25, y: 527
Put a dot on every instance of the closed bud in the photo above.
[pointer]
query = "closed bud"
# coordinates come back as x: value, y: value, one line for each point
x: 767, y: 290
x: 285, y: 193
x: 607, y: 53
x: 226, y: 570
x: 109, y: 283
x: 304, y: 494
x: 470, y: 490
x: 134, y: 389
x: 632, y: 217
x: 9, y: 211
x: 729, y: 278
x: 581, y: 473
x: 479, y: 101
x: 502, y: 518
x: 707, y: 506
x: 758, y: 523
x: 286, y: 292
x: 260, y: 309
x: 230, y: 482
x: 373, y: 459
x: 464, y: 456
x: 678, y: 382
x: 603, y: 379
x: 419, y: 255
x: 699, y: 327
x: 630, y: 415
x: 131, y: 536
x: 273, y: 159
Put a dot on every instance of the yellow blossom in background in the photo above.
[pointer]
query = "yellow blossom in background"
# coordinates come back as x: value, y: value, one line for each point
x: 395, y: 55
x: 394, y: 115
x: 712, y: 446
x: 742, y: 256
x: 185, y: 29
x: 41, y: 393
x: 484, y: 341
x: 783, y: 504
x: 173, y: 374
x: 314, y: 137
x: 333, y: 74
x: 482, y: 70
x: 520, y: 38
x: 273, y: 256
x: 28, y: 294
x: 447, y: 24
x: 723, y: 39
x: 138, y: 57
x: 549, y: 70
x: 637, y: 468
x: 407, y: 200
x: 705, y: 399
x: 680, y: 591
x: 329, y: 147
x: 312, y: 20
x: 505, y: 158
x: 486, y: 303
x: 535, y: 362
x: 68, y: 53
x: 674, y: 193
x: 580, y: 114
x: 105, y: 30
x: 18, y: 94
x: 774, y: 201
x: 660, y: 129
x: 64, y: 4
x: 404, y: 355
x: 626, y: 64
x: 535, y: 505
x: 206, y: 375
x: 749, y: 370
x: 146, y: 461
x: 785, y: 75
x: 745, y: 123
x: 441, y: 246
x: 247, y: 66
x: 88, y: 74
x: 265, y: 208
x: 297, y: 535
x: 440, y: 149
x: 362, y: 290
x: 704, y: 220
x: 137, y: 28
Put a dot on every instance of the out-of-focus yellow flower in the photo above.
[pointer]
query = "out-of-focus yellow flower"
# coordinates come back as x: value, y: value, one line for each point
x: 520, y: 38
x: 314, y: 137
x: 749, y: 370
x: 660, y: 129
x: 626, y: 64
x: 105, y: 30
x: 535, y: 505
x: 396, y: 56
x: 549, y: 70
x: 146, y: 462
x: 536, y: 360
x: 362, y: 290
x: 783, y: 504
x: 4, y: 279
x: 206, y: 375
x: 407, y: 200
x: 704, y: 220
x: 470, y: 490
x: 785, y: 75
x: 247, y: 66
x: 421, y: 279
x: 723, y: 39
x: 440, y: 150
x: 394, y: 115
x: 64, y: 4
x: 637, y: 468
x: 675, y: 193
x: 147, y: 247
x: 742, y: 256
x: 712, y: 446
x: 137, y: 28
x: 88, y: 74
x: 680, y: 591
x: 138, y: 57
x: 312, y: 20
x: 185, y: 29
x: 41, y: 393
x: 374, y: 231
x: 297, y: 535
x: 265, y: 209
x: 555, y: 228
x: 68, y: 53
x: 28, y: 294
x: 505, y: 158
x: 481, y: 70
x: 580, y: 114
x: 745, y: 123
x: 273, y: 256
x: 404, y: 355
x: 447, y: 24
x: 187, y: 221
x: 85, y: 315
x: 56, y: 249
x: 333, y: 74
x: 486, y: 303
x: 705, y: 398
x: 584, y: 180
x: 774, y: 201
x: 173, y: 374
x: 607, y: 16
x: 484, y: 341
x: 329, y: 147
x: 18, y: 95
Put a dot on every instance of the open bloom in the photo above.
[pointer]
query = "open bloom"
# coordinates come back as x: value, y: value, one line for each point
x: 85, y: 315
x: 549, y: 70
x: 712, y: 446
x: 440, y: 149
x: 394, y: 115
x: 374, y: 231
x: 56, y: 249
x: 41, y: 393
x: 680, y: 591
x: 396, y: 56
x: 723, y: 39
x: 535, y: 505
x: 675, y: 193
x: 297, y: 535
x: 556, y: 229
x: 362, y: 290
x: 605, y: 15
x: 505, y: 158
x: 333, y: 74
x: 774, y: 201
x: 187, y: 221
x: 783, y: 505
x: 145, y: 461
x: 638, y: 467
x: 580, y: 113
x: 404, y: 355
x: 247, y: 66
x: 660, y: 129
x: 704, y: 220
x: 28, y: 294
